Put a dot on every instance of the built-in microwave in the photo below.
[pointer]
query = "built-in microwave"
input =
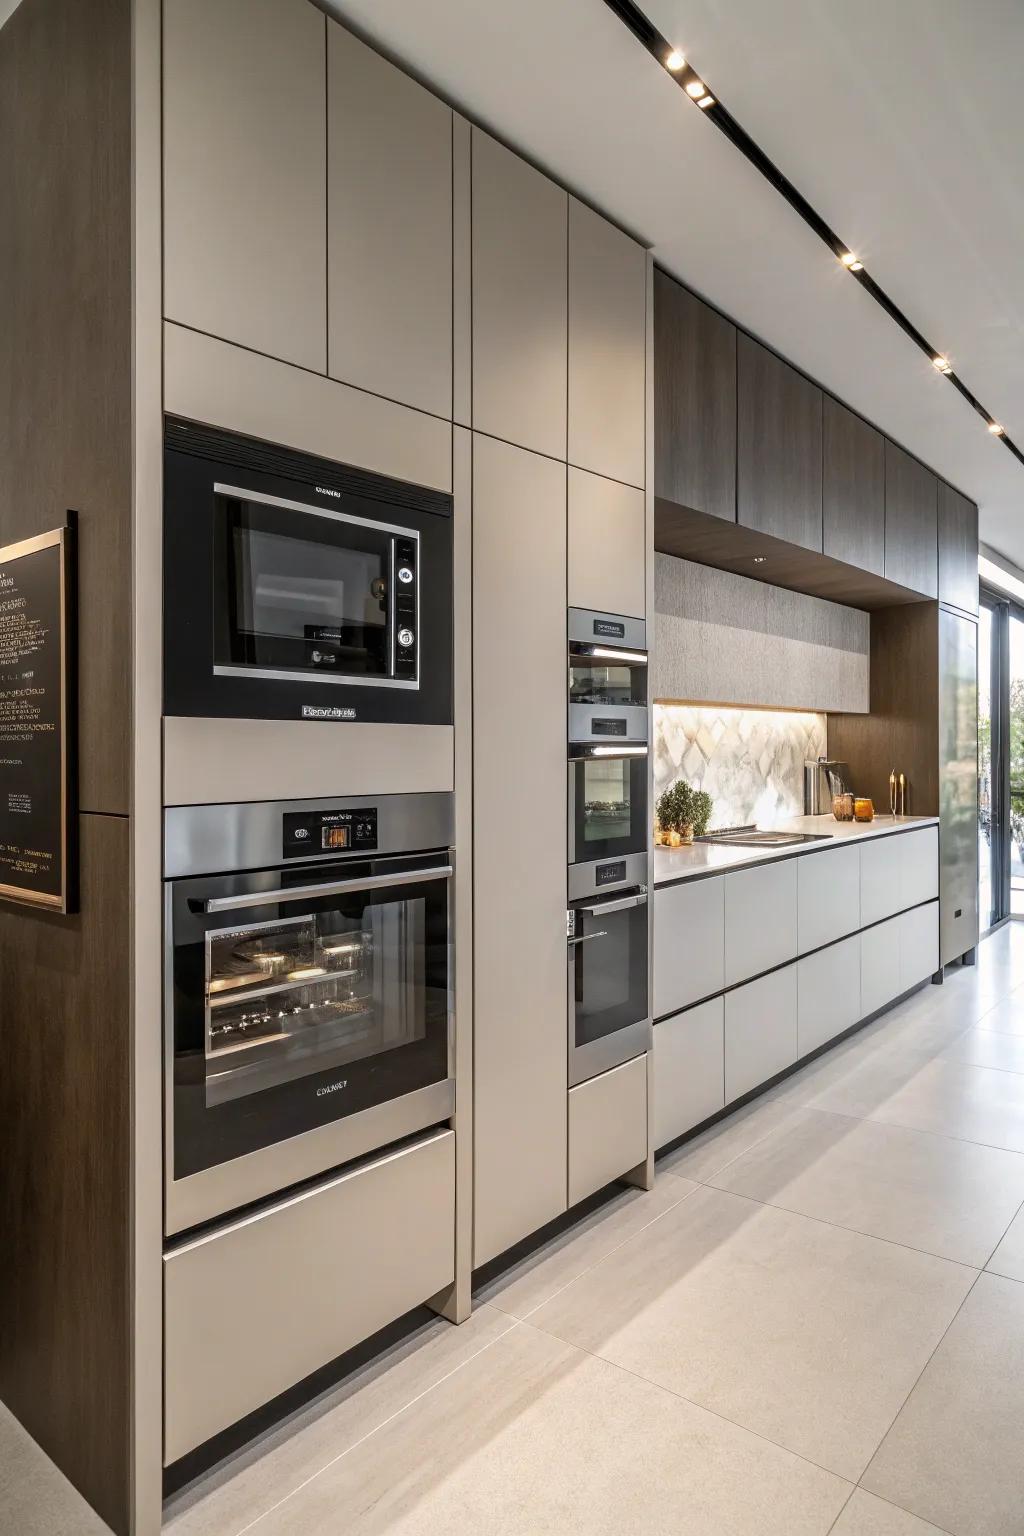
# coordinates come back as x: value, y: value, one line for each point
x: 298, y: 588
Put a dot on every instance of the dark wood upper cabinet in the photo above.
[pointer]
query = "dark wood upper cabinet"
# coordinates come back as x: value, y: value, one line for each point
x: 958, y: 550
x: 778, y: 439
x: 853, y: 489
x: 694, y: 402
x: 911, y: 522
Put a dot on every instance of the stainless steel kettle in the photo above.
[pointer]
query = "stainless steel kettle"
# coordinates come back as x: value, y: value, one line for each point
x: 823, y: 778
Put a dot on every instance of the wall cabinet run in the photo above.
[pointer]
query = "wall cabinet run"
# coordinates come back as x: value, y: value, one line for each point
x: 779, y: 436
x: 911, y: 526
x: 958, y: 550
x: 853, y: 490
x: 694, y: 402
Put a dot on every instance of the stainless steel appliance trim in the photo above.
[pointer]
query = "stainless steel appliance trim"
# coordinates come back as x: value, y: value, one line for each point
x: 304, y: 506
x: 580, y: 751
x: 600, y: 908
x: 226, y: 1187
x: 581, y: 650
x: 585, y: 938
x: 308, y: 675
x: 583, y: 877
x: 328, y: 888
x: 582, y: 717
x: 586, y: 1061
x: 213, y: 839
x: 580, y: 628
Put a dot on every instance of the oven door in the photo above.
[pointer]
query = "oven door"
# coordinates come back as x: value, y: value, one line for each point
x: 607, y: 692
x: 309, y: 1018
x: 608, y: 993
x: 607, y: 801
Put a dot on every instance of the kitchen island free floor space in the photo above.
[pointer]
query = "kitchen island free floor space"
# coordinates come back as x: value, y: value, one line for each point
x: 813, y: 1323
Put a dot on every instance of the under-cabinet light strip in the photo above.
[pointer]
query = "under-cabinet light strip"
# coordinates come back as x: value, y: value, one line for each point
x: 699, y: 92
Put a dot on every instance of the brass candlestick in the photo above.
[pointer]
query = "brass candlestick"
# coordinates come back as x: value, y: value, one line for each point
x: 892, y: 793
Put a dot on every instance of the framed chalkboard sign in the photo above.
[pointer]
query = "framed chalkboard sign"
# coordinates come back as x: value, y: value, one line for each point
x: 38, y: 820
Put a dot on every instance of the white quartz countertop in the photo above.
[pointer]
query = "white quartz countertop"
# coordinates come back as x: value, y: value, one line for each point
x: 701, y: 859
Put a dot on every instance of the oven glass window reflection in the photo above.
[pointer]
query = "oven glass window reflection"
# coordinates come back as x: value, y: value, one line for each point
x: 306, y: 994
x: 608, y: 684
x: 606, y: 799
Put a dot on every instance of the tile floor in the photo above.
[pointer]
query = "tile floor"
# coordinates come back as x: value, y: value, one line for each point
x: 814, y: 1323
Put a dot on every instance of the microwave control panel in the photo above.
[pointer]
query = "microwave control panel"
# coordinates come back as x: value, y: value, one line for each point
x: 312, y: 834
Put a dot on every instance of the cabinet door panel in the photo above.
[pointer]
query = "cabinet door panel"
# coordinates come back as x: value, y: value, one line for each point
x: 694, y: 402
x: 607, y: 348
x: 853, y: 492
x: 245, y: 148
x: 607, y: 1127
x: 958, y: 550
x: 829, y: 994
x: 911, y: 513
x: 607, y: 545
x: 919, y: 866
x: 521, y: 1005
x: 389, y: 229
x: 829, y: 896
x: 520, y: 346
x: 689, y: 943
x: 880, y: 861
x: 879, y: 966
x: 778, y: 480
x: 760, y: 1031
x: 760, y: 919
x: 689, y: 1070
x: 919, y: 945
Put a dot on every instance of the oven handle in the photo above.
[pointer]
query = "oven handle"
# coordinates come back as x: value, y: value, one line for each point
x: 581, y: 751
x: 605, y: 908
x: 585, y: 938
x: 328, y: 888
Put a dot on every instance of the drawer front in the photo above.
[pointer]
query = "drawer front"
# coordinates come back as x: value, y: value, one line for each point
x: 829, y: 994
x: 919, y: 945
x: 828, y: 888
x: 879, y: 966
x: 689, y: 943
x: 607, y: 1127
x: 880, y: 863
x: 760, y: 1031
x: 760, y: 919
x: 919, y: 866
x: 252, y: 1309
x: 689, y: 1070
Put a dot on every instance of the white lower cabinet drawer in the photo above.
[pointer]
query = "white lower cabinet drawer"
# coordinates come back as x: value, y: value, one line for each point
x: 689, y: 943
x: 607, y: 1127
x: 879, y: 965
x: 255, y: 1307
x: 689, y: 1070
x: 760, y: 1031
x: 919, y: 945
x: 919, y: 866
x: 829, y: 994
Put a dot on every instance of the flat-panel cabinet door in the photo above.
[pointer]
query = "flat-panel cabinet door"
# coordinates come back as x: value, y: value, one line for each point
x: 880, y: 966
x: 694, y: 402
x: 919, y: 945
x: 853, y: 492
x: 911, y: 522
x: 958, y: 550
x: 829, y: 994
x: 520, y: 345
x: 828, y: 888
x: 245, y: 147
x: 689, y: 943
x: 521, y: 964
x: 880, y: 862
x: 689, y: 1070
x: 760, y: 919
x: 389, y: 208
x: 779, y: 437
x: 607, y: 545
x: 760, y: 1031
x: 607, y: 1127
x: 607, y: 348
x: 919, y: 866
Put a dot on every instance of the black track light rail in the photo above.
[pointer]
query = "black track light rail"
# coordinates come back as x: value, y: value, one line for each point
x: 647, y: 34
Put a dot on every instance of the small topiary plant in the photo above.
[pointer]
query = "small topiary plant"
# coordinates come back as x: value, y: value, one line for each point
x: 682, y: 806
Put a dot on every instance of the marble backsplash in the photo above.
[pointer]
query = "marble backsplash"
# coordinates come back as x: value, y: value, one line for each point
x: 750, y: 761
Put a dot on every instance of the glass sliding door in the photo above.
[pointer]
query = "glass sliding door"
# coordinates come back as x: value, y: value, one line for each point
x: 988, y: 883
x: 1000, y: 760
x: 1015, y: 747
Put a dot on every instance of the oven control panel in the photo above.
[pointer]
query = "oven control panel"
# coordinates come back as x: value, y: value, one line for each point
x: 312, y: 834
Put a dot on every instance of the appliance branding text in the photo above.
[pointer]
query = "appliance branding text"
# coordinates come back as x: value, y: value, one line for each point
x: 327, y: 712
x: 325, y: 490
x: 332, y: 1088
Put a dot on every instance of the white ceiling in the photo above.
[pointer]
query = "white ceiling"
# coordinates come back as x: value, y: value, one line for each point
x: 902, y: 123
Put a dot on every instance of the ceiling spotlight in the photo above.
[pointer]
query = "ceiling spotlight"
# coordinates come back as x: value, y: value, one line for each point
x: 706, y: 101
x: 760, y: 559
x: 850, y: 262
x: 943, y: 364
x: 696, y: 88
x: 996, y: 429
x: 675, y: 61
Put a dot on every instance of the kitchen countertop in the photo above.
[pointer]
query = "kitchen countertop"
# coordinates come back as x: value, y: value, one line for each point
x: 672, y: 865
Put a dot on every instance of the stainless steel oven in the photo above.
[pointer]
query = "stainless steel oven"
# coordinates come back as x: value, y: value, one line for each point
x: 308, y: 990
x: 296, y: 588
x: 608, y: 797
x: 607, y: 677
x: 607, y: 940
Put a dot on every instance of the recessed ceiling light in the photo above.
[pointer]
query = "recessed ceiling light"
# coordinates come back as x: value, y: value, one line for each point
x: 851, y: 262
x: 943, y: 364
x: 706, y: 101
x: 996, y: 429
x: 696, y: 88
x: 675, y: 61
x: 760, y: 559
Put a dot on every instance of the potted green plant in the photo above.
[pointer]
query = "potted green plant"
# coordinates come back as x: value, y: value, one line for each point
x: 683, y: 812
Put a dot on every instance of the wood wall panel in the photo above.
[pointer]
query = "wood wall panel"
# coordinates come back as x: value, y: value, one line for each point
x: 694, y: 402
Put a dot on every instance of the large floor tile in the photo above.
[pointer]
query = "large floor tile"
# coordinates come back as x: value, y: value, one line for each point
x: 534, y: 1438
x: 1008, y: 1258
x: 1005, y: 1015
x: 801, y: 1331
x: 930, y: 1192
x: 867, y: 1515
x: 859, y: 1076
x: 982, y: 1047
x: 953, y: 1098
x: 244, y: 1487
x: 953, y: 1455
x: 536, y: 1278
x: 36, y: 1499
x: 708, y: 1153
